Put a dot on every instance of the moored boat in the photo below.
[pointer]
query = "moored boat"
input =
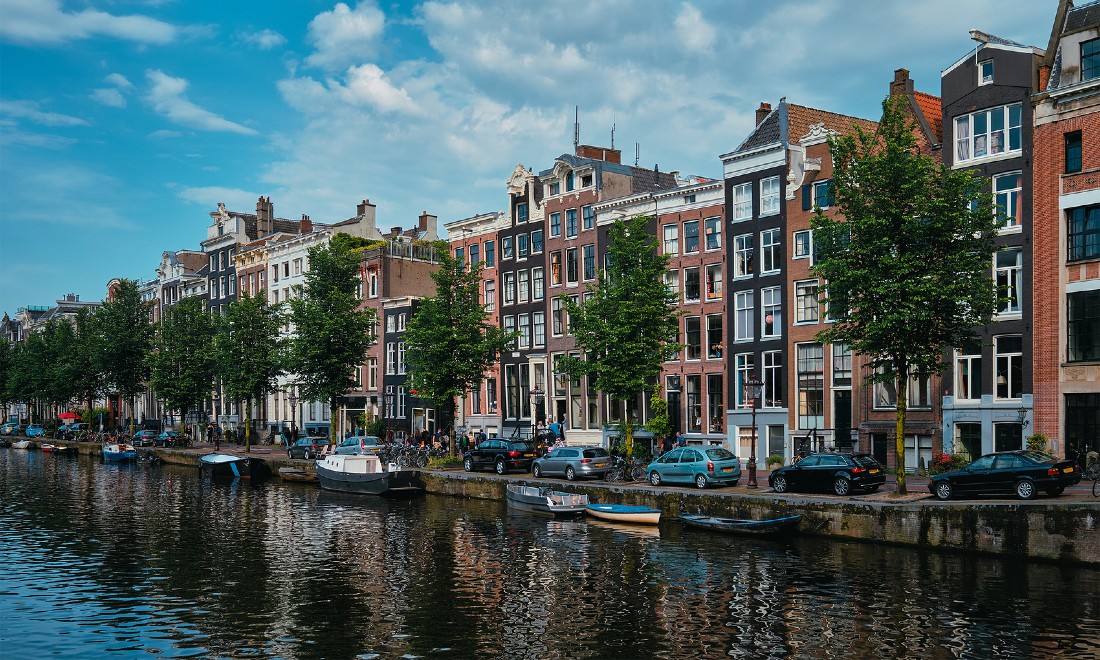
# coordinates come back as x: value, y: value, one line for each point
x: 625, y: 513
x: 231, y: 467
x: 58, y: 449
x: 22, y: 444
x: 364, y: 473
x: 543, y: 499
x: 770, y: 526
x: 294, y: 474
x: 119, y: 453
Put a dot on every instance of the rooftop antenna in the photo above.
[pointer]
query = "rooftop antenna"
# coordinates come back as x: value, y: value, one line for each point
x: 613, y: 135
x: 577, y: 128
x: 636, y: 154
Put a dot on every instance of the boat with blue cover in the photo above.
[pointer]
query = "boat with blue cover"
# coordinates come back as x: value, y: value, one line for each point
x: 625, y: 513
x: 119, y: 453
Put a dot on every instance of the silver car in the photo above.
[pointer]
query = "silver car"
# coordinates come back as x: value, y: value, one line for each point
x: 573, y: 462
x: 361, y: 444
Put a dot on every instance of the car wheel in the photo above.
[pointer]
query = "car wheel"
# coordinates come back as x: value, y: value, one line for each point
x: 655, y: 478
x: 1056, y: 491
x: 570, y: 473
x: 841, y: 486
x: 309, y: 455
x: 536, y: 470
x: 1025, y: 489
x: 467, y: 464
x: 501, y: 468
x: 700, y: 481
x: 779, y: 483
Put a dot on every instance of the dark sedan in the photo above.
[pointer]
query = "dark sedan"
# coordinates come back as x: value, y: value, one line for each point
x: 501, y: 455
x: 1022, y: 472
x: 839, y: 473
x: 307, y: 448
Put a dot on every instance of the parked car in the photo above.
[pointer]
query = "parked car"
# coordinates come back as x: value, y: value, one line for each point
x: 573, y: 462
x: 8, y: 428
x: 35, y: 431
x: 840, y: 473
x: 167, y: 439
x: 501, y: 455
x: 357, y: 444
x: 308, y: 448
x: 1023, y: 472
x: 702, y: 466
x: 144, y: 438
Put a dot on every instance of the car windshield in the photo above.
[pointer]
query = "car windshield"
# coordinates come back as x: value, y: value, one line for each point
x: 719, y: 454
x: 304, y: 443
x: 863, y: 460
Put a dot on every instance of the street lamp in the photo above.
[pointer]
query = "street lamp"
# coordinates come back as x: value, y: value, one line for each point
x: 754, y: 384
x: 216, y: 398
x: 538, y: 396
x: 293, y: 401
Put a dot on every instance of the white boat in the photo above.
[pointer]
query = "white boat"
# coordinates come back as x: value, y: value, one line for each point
x: 364, y: 473
x: 21, y: 444
x: 545, y: 500
x: 625, y: 513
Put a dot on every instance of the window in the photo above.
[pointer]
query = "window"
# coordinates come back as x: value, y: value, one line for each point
x: 372, y: 373
x: 524, y: 286
x: 689, y: 199
x: 391, y: 357
x: 1009, y: 353
x: 536, y: 241
x: 771, y: 311
x: 823, y: 194
x: 691, y: 237
x: 214, y: 294
x: 773, y: 379
x: 742, y: 201
x: 402, y: 322
x: 391, y: 323
x: 555, y: 224
x: 509, y: 288
x: 694, y: 403
x: 521, y: 246
x: 555, y: 188
x: 1083, y: 325
x: 589, y: 262
x: 475, y: 257
x: 811, y: 386
x: 805, y: 300
x: 987, y: 133
x: 213, y: 262
x: 769, y: 251
x: 555, y: 268
x: 571, y: 266
x: 714, y: 282
x: 1008, y: 273
x: 569, y: 181
x: 490, y: 295
x: 985, y: 72
x: 744, y: 367
x: 401, y: 357
x: 275, y: 273
x: 521, y: 212
x: 671, y: 239
x: 556, y: 317
x: 571, y: 223
x: 524, y: 331
x: 715, y: 402
x: 692, y: 338
x: 538, y: 283
x: 1073, y: 152
x: 460, y: 255
x: 712, y: 227
x: 506, y: 251
x: 743, y: 316
x: 1090, y: 59
x: 714, y: 336
x: 490, y: 252
x: 968, y: 372
x: 586, y: 180
x: 672, y: 282
x: 842, y: 364
x: 538, y: 321
x: 1006, y: 197
x: 509, y: 328
x: 742, y: 255
x: 588, y: 217
x: 1083, y: 240
x: 803, y: 244
x: 769, y: 196
x: 691, y: 284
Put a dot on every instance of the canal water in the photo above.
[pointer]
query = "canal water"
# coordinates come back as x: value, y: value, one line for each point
x: 135, y: 561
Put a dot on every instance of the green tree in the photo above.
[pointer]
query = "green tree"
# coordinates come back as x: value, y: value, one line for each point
x: 87, y: 377
x: 629, y: 327
x: 251, y: 352
x: 183, y: 361
x: 906, y: 258
x: 126, y: 339
x: 660, y: 424
x: 331, y: 333
x: 7, y: 357
x: 450, y: 342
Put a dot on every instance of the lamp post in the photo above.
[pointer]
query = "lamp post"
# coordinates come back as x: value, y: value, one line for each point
x: 754, y: 384
x: 537, y: 395
x: 292, y: 399
x: 216, y: 398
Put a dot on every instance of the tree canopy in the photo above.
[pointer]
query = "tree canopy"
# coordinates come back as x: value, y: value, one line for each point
x: 127, y: 337
x: 183, y: 362
x: 251, y: 351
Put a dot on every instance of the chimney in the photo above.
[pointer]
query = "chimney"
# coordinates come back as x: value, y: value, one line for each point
x: 1044, y: 77
x: 427, y: 226
x: 265, y: 216
x: 902, y: 85
x: 599, y: 153
x: 762, y: 112
x: 365, y: 211
x: 306, y: 225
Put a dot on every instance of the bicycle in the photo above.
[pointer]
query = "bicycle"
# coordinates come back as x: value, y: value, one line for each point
x: 621, y: 470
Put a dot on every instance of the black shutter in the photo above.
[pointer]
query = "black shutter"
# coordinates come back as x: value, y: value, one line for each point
x: 807, y: 197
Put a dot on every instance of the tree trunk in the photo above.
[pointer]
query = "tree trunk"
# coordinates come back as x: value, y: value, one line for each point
x: 453, y: 450
x: 899, y: 430
x: 248, y: 422
x: 332, y: 410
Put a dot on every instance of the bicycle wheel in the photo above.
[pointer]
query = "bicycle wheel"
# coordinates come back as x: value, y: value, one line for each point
x: 637, y: 473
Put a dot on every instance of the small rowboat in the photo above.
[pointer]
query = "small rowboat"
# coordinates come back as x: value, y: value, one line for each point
x: 742, y: 526
x: 58, y: 449
x: 545, y: 500
x: 294, y: 474
x: 625, y: 513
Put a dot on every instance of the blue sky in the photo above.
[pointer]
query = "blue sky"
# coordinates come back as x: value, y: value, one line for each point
x: 124, y: 122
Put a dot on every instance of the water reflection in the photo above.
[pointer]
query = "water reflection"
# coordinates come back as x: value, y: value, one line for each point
x: 129, y: 560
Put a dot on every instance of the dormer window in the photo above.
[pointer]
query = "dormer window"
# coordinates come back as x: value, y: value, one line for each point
x: 555, y: 189
x: 569, y: 181
x: 985, y: 72
x: 1090, y: 60
x: 586, y: 181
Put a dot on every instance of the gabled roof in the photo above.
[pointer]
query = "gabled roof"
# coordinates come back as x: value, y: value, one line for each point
x: 788, y: 121
x: 932, y: 109
x: 1082, y: 18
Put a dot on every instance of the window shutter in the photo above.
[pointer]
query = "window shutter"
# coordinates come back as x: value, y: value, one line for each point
x: 807, y: 197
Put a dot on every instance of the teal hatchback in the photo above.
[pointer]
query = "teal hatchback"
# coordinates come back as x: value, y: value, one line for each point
x: 699, y: 465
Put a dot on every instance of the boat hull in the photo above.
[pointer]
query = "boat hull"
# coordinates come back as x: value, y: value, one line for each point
x: 400, y: 483
x: 772, y: 527
x: 624, y: 513
x: 21, y: 444
x: 226, y: 466
x: 119, y: 453
x: 545, y: 500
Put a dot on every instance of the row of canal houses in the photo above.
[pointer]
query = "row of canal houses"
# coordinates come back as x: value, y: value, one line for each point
x: 741, y: 253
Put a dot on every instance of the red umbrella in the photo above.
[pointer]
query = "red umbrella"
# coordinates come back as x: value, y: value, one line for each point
x: 68, y: 415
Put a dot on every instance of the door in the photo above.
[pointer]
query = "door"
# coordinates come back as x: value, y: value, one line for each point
x: 686, y: 467
x: 878, y: 447
x: 976, y: 476
x: 1007, y: 437
x: 842, y: 419
x: 668, y: 464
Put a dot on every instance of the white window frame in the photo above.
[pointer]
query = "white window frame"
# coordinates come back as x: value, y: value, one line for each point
x: 744, y: 316
x: 771, y: 303
x: 770, y: 241
x: 771, y: 191
x: 966, y: 141
x: 1008, y: 277
x: 671, y: 239
x: 1007, y: 198
x: 985, y: 72
x: 807, y: 308
x: 742, y: 201
x: 712, y: 228
x: 744, y: 247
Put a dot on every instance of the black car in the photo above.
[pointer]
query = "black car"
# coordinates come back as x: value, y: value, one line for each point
x: 1023, y: 472
x: 839, y: 473
x: 307, y: 448
x: 501, y: 455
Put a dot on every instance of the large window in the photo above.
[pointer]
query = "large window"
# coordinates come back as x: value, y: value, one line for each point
x: 506, y: 251
x: 570, y: 223
x: 805, y: 300
x: 1073, y: 152
x: 713, y: 229
x: 691, y: 284
x: 589, y: 262
x: 538, y: 322
x: 842, y: 364
x: 692, y: 338
x: 536, y: 241
x: 714, y: 282
x: 1009, y: 352
x: 490, y: 254
x: 987, y: 133
x: 773, y: 379
x: 1083, y: 241
x: 691, y: 237
x: 524, y: 286
x: 811, y: 386
x: 522, y: 246
x: 557, y: 317
x: 1083, y: 325
x: 1090, y: 59
x: 555, y: 224
x: 524, y: 331
x: 509, y: 288
x: 742, y: 201
x: 588, y: 217
x: 771, y: 312
x: 769, y: 251
x: 968, y: 372
x: 714, y: 336
x: 538, y: 284
x: 715, y: 402
x: 521, y: 212
x: 742, y: 255
x: 743, y: 316
x: 693, y: 395
x: 555, y: 268
x: 769, y: 196
x: 672, y: 282
x: 490, y: 295
x: 475, y: 255
x: 1008, y: 273
x: 671, y: 239
x: 509, y: 328
x: 1006, y: 192
x: 571, y: 271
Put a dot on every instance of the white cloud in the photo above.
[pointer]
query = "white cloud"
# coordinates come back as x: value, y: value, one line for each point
x: 209, y: 196
x: 167, y: 97
x: 263, y: 39
x: 694, y: 32
x: 29, y: 110
x: 165, y: 134
x: 345, y: 36
x: 109, y: 97
x: 46, y: 22
x: 119, y: 80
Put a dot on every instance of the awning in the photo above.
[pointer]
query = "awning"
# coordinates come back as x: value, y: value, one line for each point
x: 68, y: 415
